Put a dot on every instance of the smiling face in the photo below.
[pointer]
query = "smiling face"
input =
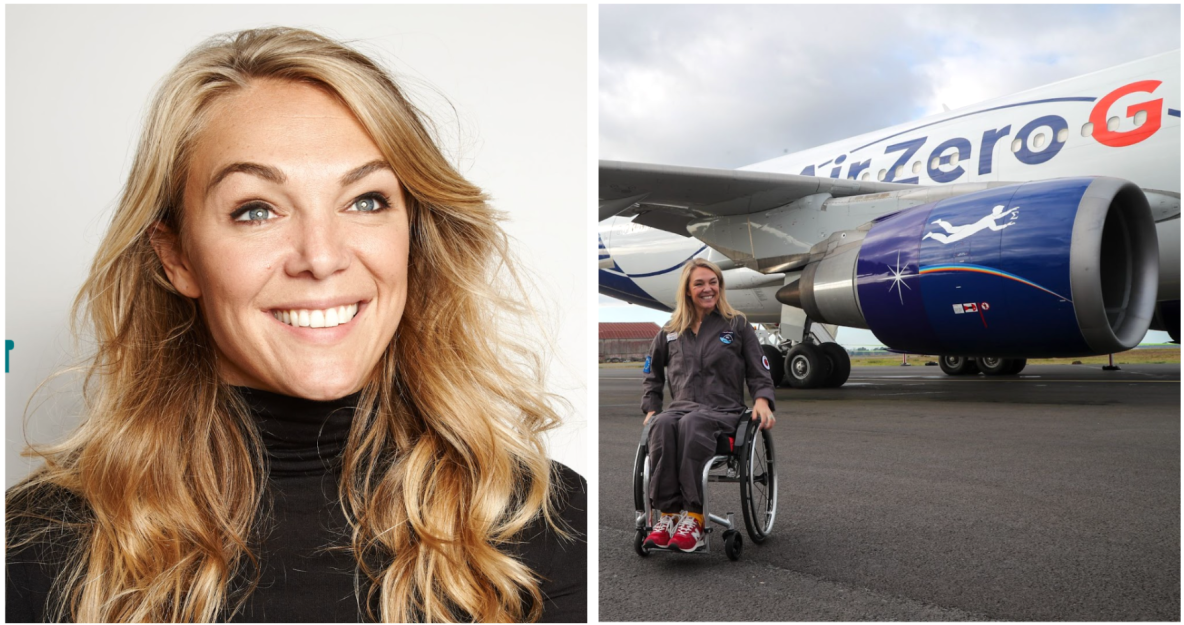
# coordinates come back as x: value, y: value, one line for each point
x: 294, y: 242
x: 704, y: 288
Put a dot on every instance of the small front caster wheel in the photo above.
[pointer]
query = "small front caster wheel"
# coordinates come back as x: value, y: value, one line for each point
x: 639, y: 544
x: 733, y: 544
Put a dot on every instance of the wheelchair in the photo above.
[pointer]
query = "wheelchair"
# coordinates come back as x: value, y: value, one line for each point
x: 745, y: 458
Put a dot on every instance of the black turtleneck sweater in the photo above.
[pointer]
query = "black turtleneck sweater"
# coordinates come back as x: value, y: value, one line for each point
x: 300, y: 579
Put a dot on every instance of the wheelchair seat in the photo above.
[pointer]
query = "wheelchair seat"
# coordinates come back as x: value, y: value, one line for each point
x: 744, y: 457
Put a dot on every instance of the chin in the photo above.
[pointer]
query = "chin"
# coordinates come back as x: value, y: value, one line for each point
x: 323, y: 388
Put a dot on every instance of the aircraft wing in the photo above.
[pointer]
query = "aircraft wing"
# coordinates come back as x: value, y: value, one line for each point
x: 668, y: 197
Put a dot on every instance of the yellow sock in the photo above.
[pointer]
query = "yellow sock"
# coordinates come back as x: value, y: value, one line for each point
x: 698, y: 516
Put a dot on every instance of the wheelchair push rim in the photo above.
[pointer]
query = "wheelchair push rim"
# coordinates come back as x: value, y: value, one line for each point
x: 758, y: 486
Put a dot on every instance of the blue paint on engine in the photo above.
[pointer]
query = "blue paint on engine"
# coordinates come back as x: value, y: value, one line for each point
x: 996, y: 273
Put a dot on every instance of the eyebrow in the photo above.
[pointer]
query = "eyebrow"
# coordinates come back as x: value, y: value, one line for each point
x: 271, y: 174
x: 365, y: 170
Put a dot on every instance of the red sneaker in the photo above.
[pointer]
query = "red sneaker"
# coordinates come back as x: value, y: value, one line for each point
x: 688, y: 536
x: 660, y: 537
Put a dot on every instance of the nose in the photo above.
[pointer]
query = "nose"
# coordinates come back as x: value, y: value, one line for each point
x: 319, y: 246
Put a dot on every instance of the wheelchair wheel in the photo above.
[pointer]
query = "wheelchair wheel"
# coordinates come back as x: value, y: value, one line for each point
x: 639, y: 544
x: 733, y: 545
x: 758, y: 486
x: 639, y: 494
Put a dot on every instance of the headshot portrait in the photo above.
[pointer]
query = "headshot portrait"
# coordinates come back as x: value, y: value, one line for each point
x: 301, y: 339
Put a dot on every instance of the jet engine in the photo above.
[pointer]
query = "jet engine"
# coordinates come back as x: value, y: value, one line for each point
x: 1060, y: 267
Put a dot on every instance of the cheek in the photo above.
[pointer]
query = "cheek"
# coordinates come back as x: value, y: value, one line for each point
x: 231, y: 275
x: 385, y: 255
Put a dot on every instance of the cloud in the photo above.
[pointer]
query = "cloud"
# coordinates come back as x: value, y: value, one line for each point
x: 727, y: 86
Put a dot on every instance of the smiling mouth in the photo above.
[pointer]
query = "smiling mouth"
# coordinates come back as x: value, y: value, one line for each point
x: 324, y: 318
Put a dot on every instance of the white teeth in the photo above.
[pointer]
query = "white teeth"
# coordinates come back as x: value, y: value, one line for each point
x: 327, y: 318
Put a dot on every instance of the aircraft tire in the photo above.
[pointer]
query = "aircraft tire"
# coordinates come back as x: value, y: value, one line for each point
x: 840, y: 364
x: 993, y: 365
x: 806, y: 366
x: 1017, y: 365
x: 776, y: 364
x: 958, y: 365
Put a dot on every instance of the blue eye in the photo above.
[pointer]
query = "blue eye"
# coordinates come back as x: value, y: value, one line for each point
x: 255, y: 213
x: 370, y: 203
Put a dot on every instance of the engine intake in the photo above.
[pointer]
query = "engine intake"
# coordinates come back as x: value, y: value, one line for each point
x: 1051, y: 268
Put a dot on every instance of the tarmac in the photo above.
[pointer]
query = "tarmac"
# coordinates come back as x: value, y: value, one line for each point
x: 911, y: 495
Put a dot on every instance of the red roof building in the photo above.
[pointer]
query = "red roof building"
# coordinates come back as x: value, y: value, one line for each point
x: 625, y: 342
x: 645, y: 330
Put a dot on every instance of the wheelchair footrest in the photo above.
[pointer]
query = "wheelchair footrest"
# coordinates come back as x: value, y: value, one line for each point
x: 701, y: 549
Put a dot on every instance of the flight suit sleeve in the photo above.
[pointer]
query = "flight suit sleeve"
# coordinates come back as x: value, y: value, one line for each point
x: 655, y: 374
x: 756, y: 374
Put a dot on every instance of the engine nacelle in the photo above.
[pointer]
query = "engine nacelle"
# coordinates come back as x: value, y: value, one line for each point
x: 1061, y: 267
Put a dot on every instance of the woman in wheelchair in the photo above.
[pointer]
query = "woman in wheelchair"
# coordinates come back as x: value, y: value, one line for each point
x: 707, y: 352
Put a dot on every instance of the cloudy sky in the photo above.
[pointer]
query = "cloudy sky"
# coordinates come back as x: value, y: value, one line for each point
x: 727, y: 86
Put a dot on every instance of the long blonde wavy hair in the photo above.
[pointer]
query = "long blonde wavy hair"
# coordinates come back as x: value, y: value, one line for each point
x: 162, y: 485
x: 684, y: 308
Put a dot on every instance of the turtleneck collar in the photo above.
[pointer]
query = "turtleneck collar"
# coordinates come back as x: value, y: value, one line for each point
x: 301, y: 436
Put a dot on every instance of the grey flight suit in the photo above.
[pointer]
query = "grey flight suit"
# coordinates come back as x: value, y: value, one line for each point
x: 707, y: 373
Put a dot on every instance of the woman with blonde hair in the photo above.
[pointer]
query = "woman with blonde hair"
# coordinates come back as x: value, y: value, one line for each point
x: 707, y: 352
x: 288, y: 417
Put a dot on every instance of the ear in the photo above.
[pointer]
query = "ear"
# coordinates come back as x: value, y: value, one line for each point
x: 177, y: 267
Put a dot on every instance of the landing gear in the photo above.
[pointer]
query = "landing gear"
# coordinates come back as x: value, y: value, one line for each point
x: 840, y: 364
x: 992, y: 365
x: 806, y: 366
x: 989, y: 365
x: 815, y: 365
x: 776, y: 364
x: 958, y: 365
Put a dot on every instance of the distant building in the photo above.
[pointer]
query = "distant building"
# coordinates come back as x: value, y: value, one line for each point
x: 625, y: 342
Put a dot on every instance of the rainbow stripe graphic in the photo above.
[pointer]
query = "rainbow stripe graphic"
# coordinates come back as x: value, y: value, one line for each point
x: 989, y: 271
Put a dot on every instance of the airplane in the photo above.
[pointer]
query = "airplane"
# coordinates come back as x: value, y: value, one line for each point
x: 1042, y: 224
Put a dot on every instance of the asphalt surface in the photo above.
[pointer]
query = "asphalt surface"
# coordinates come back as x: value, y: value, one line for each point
x: 910, y: 495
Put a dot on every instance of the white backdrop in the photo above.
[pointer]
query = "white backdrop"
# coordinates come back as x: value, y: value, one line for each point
x: 505, y: 86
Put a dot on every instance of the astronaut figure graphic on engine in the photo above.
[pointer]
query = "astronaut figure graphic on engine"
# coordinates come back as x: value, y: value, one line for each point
x: 957, y: 233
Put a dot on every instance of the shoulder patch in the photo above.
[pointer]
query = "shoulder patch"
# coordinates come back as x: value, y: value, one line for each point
x: 650, y: 359
x: 764, y: 361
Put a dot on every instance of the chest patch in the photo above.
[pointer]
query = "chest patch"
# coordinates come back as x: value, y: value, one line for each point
x: 726, y: 337
x: 672, y: 336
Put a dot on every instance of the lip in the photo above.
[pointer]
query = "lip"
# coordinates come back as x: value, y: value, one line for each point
x: 319, y: 304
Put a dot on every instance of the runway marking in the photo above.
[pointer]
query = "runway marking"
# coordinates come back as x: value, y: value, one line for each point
x: 1015, y: 381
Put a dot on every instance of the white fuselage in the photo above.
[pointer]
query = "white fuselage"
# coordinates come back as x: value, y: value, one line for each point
x: 1122, y: 122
